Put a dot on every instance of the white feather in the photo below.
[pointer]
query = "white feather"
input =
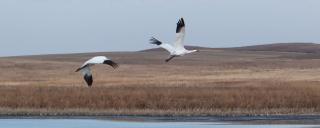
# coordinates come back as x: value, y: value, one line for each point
x: 168, y: 47
x: 86, y: 71
x: 178, y: 44
x: 95, y: 60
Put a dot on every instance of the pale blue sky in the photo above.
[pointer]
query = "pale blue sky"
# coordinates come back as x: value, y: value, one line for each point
x: 68, y: 26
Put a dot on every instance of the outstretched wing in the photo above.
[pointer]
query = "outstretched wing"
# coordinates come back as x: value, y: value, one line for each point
x: 86, y: 72
x: 88, y: 79
x: 180, y: 33
x: 165, y: 46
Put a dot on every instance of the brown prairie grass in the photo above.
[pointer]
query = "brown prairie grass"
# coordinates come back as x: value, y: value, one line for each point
x: 214, y: 83
x: 272, y: 98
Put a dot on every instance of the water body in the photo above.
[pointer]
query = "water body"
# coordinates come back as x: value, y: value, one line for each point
x: 94, y: 123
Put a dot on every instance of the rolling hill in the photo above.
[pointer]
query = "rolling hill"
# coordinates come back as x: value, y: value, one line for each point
x: 284, y: 47
x: 275, y: 47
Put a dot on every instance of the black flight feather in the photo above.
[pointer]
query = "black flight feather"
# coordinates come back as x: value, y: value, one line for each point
x: 180, y: 25
x: 111, y: 63
x: 155, y: 41
x: 88, y: 79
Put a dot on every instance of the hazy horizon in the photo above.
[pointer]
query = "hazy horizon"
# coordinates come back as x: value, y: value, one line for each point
x: 75, y: 26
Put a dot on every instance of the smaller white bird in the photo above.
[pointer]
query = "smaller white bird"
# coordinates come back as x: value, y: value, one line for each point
x: 178, y: 48
x: 86, y: 71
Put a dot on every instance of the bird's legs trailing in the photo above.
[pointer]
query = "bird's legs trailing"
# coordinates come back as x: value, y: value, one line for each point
x: 170, y: 57
x: 191, y: 51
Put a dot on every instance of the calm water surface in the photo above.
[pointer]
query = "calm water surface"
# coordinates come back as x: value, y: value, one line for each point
x: 91, y: 123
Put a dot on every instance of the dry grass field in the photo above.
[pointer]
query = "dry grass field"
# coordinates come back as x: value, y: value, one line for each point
x: 210, y: 82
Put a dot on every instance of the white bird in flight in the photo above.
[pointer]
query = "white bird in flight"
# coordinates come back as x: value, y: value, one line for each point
x: 177, y: 49
x: 86, y: 71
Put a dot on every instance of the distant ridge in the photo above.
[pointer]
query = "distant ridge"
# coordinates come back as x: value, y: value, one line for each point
x: 283, y: 47
x: 276, y: 47
x: 187, y: 47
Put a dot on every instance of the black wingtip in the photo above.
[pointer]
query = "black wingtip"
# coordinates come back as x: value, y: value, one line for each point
x: 180, y: 25
x: 155, y: 41
x: 88, y: 79
x: 111, y: 63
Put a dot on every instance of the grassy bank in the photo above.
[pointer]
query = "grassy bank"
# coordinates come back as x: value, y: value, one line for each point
x: 273, y: 99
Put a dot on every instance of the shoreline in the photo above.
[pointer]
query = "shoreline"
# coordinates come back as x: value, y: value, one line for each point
x: 259, y: 119
x: 238, y: 116
x: 157, y: 112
